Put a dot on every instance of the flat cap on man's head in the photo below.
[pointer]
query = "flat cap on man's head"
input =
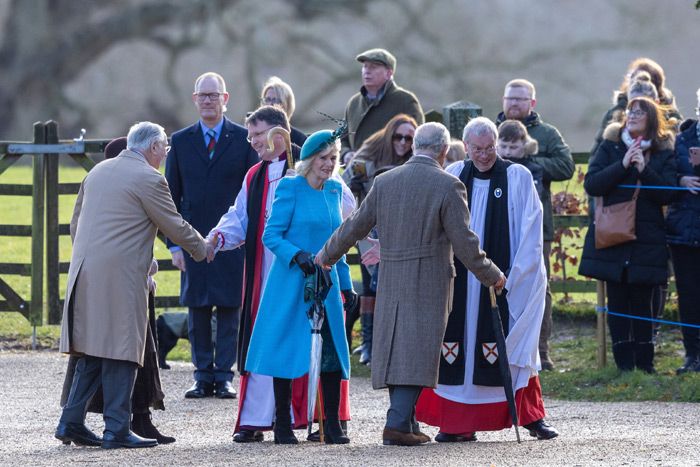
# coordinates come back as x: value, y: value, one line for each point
x: 378, y: 55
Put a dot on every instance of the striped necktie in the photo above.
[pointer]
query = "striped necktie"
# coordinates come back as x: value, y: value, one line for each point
x: 212, y: 143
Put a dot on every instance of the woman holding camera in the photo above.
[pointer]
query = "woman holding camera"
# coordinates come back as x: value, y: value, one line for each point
x: 637, y: 151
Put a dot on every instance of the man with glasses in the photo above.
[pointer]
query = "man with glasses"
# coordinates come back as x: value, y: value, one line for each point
x: 506, y: 214
x: 205, y: 171
x: 244, y: 223
x: 557, y: 164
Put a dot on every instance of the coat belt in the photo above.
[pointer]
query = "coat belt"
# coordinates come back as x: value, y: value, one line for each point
x: 405, y: 254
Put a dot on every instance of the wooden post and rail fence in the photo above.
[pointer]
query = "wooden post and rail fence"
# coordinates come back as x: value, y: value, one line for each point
x: 45, y: 229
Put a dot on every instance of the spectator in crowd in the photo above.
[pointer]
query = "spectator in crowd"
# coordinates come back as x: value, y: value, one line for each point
x: 279, y: 93
x: 368, y: 111
x: 387, y: 148
x: 379, y: 99
x: 306, y: 210
x: 415, y: 283
x: 456, y: 152
x: 205, y: 171
x: 635, y: 70
x: 683, y: 236
x: 506, y: 214
x: 105, y: 316
x: 640, y: 150
x: 557, y: 164
x: 515, y: 145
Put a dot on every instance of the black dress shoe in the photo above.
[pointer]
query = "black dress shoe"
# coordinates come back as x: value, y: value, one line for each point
x: 541, y: 430
x: 225, y: 390
x: 142, y: 425
x: 199, y: 390
x: 248, y: 436
x: 77, y: 433
x: 112, y: 441
x: 448, y: 438
x: 691, y: 364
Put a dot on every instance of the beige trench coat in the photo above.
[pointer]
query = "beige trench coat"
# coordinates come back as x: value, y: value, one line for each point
x: 421, y: 214
x: 121, y: 204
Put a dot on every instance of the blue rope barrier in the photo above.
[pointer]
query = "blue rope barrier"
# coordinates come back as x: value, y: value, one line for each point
x: 604, y: 309
x: 657, y: 187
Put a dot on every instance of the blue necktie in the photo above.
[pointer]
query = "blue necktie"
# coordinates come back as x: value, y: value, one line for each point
x: 212, y: 143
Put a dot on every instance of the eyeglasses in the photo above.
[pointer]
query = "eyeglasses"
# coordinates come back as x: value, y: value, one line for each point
x: 516, y: 99
x: 399, y: 137
x: 636, y: 113
x: 252, y: 136
x: 213, y: 96
x: 482, y: 151
x: 270, y: 101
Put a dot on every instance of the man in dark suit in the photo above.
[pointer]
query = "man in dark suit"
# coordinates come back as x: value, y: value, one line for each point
x: 205, y: 170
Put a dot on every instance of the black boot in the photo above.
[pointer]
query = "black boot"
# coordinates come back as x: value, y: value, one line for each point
x: 142, y: 425
x: 367, y: 322
x: 333, y: 432
x: 644, y: 357
x: 283, y: 418
x: 623, y: 352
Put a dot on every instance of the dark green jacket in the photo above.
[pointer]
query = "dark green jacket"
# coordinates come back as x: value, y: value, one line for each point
x: 554, y: 157
x: 365, y: 118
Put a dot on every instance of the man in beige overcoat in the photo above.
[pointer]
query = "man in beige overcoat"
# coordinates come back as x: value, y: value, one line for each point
x: 421, y: 214
x: 121, y: 205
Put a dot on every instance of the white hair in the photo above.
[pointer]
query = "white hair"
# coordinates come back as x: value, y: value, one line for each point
x: 143, y: 134
x: 304, y: 167
x: 479, y: 126
x: 431, y: 139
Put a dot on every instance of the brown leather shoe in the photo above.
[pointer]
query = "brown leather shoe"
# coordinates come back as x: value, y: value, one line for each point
x: 392, y: 437
x: 422, y: 436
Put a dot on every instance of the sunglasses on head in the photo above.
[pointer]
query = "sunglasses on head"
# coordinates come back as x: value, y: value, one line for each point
x: 400, y: 137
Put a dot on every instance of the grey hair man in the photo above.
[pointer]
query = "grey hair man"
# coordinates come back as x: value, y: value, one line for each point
x: 554, y: 156
x: 106, y: 311
x: 410, y: 317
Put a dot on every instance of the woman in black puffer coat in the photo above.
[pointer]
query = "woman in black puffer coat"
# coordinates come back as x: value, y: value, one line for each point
x: 638, y: 149
x: 683, y: 229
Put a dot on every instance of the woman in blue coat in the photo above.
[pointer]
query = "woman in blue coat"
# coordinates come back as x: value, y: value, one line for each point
x: 305, y: 212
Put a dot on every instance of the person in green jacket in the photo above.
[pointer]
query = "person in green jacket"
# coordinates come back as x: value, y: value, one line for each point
x: 554, y: 157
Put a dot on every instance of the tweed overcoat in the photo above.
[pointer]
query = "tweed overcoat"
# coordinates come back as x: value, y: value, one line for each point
x: 421, y: 214
x: 121, y: 204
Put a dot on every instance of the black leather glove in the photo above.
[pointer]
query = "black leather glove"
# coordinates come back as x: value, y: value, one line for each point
x: 305, y: 262
x: 350, y: 298
x: 356, y: 185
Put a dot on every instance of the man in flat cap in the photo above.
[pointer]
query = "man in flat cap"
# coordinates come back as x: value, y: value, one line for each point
x: 368, y: 111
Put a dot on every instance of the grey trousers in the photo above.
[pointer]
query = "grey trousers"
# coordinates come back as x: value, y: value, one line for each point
x: 401, y: 415
x: 117, y: 378
x: 546, y: 330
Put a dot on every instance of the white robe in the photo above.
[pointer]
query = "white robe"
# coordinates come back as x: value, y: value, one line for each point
x: 526, y: 285
x: 258, y: 408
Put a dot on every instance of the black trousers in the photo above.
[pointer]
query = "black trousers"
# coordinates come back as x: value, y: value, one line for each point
x: 631, y: 338
x: 117, y: 379
x: 213, y: 362
x: 686, y: 265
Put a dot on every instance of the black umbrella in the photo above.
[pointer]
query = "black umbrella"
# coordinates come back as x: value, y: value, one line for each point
x: 503, y: 364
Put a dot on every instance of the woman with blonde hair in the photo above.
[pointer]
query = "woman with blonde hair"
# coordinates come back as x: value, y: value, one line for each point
x: 279, y: 93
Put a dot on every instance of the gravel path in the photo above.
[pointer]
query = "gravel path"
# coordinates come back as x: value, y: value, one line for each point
x: 591, y: 433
